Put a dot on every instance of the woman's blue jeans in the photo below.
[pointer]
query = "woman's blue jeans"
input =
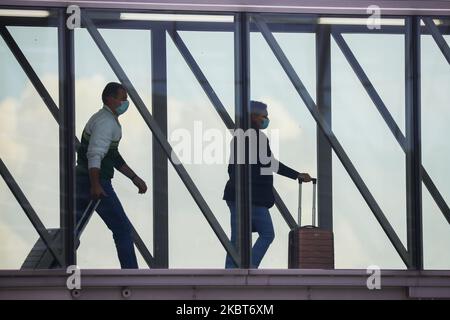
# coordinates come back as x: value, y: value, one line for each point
x: 111, y: 211
x: 261, y: 223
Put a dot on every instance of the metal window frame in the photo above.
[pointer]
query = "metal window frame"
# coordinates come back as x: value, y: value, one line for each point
x: 66, y: 57
x: 324, y: 149
x: 325, y: 128
x: 412, y: 257
x: 65, y: 117
x: 159, y: 135
x: 388, y: 7
x: 413, y: 143
x: 29, y: 211
x: 160, y: 168
x: 220, y: 108
x: 243, y: 187
x: 387, y: 117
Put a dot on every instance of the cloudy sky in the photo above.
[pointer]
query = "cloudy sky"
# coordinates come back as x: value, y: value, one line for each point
x: 29, y: 142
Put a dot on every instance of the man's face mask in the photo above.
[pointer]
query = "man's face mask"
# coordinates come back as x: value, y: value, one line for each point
x: 122, y: 107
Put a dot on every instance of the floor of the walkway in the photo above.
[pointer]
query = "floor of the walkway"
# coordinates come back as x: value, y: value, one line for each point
x: 187, y: 284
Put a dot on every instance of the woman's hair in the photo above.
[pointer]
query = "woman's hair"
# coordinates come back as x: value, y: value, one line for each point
x: 258, y: 107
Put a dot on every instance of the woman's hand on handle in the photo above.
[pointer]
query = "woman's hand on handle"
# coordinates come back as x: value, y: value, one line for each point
x: 304, y: 177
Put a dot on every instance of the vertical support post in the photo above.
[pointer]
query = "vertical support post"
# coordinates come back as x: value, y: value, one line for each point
x: 413, y: 143
x: 160, y: 169
x: 324, y: 150
x: 242, y: 114
x: 66, y: 139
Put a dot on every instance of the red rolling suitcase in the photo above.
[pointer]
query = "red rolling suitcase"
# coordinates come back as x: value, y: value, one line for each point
x: 309, y: 246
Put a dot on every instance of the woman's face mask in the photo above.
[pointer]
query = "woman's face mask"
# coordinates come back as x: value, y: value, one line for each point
x: 260, y: 121
x: 264, y: 123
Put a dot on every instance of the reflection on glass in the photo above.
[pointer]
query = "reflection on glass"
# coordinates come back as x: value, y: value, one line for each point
x: 435, y: 116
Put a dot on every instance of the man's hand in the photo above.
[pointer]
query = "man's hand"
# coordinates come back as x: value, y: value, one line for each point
x: 304, y: 177
x: 96, y: 188
x: 97, y: 192
x: 138, y: 182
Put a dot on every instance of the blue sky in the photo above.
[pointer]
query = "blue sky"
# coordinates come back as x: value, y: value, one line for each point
x: 29, y: 142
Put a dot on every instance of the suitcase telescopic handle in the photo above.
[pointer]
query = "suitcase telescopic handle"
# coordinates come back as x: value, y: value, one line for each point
x: 314, y: 181
x: 91, y: 207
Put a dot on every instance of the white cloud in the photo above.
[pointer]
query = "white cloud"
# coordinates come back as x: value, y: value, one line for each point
x: 8, y: 123
x: 29, y: 146
x: 13, y: 247
x: 282, y: 119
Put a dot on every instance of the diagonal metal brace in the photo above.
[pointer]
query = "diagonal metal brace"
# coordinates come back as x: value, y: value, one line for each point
x: 340, y: 152
x: 221, y: 111
x: 158, y: 134
x: 382, y: 109
x: 28, y: 209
